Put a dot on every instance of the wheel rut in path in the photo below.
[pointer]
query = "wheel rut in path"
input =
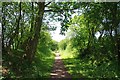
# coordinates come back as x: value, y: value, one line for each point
x: 59, y: 70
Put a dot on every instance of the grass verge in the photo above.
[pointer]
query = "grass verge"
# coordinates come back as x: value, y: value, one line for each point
x: 86, y: 68
x: 43, y: 66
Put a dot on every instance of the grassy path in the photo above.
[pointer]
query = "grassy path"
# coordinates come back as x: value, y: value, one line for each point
x: 59, y: 70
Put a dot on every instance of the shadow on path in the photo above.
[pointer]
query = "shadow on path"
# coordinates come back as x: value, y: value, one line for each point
x: 59, y: 70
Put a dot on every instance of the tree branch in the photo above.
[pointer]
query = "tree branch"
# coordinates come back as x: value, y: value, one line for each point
x: 47, y: 4
x: 60, y: 10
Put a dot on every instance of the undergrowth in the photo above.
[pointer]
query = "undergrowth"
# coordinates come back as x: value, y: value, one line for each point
x: 89, y: 67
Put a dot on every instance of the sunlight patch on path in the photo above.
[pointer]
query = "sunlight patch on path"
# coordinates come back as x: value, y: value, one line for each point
x: 57, y: 56
x: 59, y: 70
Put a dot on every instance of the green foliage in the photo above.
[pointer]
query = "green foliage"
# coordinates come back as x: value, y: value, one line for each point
x: 37, y: 69
x: 86, y: 69
x: 63, y: 44
x: 92, y: 67
x: 27, y: 44
x: 42, y: 65
x: 87, y: 55
x: 54, y: 45
x: 47, y: 42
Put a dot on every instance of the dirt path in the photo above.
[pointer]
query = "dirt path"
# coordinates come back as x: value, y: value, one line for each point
x: 59, y: 70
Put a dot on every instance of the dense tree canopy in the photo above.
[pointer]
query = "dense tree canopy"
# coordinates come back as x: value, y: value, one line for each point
x: 93, y: 36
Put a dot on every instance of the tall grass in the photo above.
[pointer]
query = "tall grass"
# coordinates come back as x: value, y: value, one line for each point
x: 88, y: 67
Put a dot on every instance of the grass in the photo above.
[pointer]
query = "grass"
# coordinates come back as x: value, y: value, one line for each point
x: 43, y: 66
x: 86, y: 68
x: 40, y: 68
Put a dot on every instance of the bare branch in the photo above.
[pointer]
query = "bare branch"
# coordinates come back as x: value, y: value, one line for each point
x: 36, y: 3
x: 47, y: 4
x: 59, y: 10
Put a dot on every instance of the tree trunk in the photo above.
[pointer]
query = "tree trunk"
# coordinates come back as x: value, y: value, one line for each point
x: 32, y: 20
x: 3, y: 24
x: 32, y: 43
x: 115, y: 26
x: 18, y: 25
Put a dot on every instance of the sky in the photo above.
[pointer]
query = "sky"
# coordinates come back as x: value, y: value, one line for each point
x: 56, y: 34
